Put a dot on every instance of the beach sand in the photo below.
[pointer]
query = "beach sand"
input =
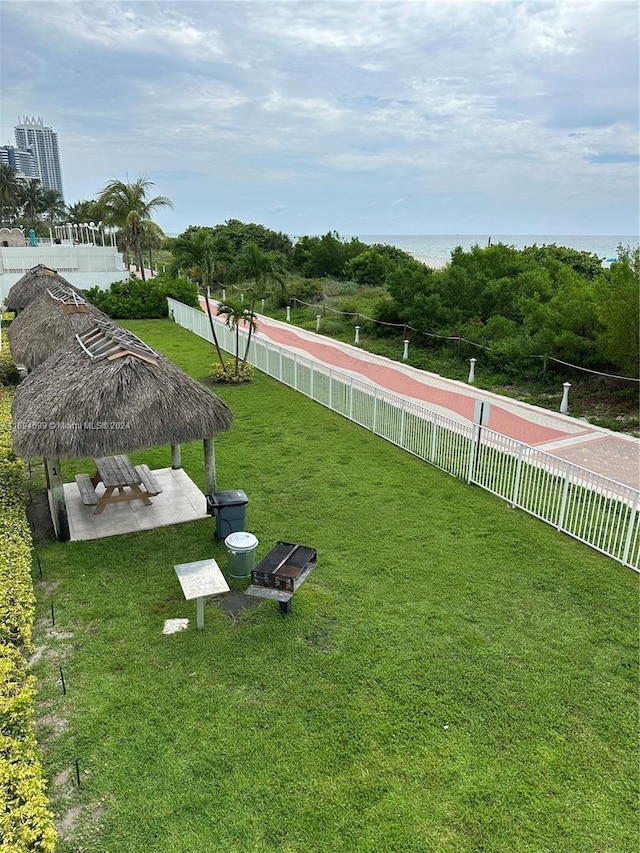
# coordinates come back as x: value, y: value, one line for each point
x: 434, y: 263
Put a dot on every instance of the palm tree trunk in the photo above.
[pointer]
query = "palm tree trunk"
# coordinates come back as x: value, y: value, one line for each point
x: 251, y: 316
x: 139, y: 258
x: 237, y: 346
x: 213, y: 330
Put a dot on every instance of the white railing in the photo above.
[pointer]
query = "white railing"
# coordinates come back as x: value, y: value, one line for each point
x: 61, y: 258
x: 595, y: 510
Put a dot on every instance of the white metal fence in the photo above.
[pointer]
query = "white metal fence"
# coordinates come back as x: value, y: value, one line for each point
x: 598, y: 511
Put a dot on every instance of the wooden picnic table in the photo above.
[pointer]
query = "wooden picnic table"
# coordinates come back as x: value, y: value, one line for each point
x: 122, y: 481
x: 115, y: 472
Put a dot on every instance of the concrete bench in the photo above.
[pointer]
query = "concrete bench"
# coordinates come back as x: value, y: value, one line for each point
x: 87, y: 492
x: 148, y: 480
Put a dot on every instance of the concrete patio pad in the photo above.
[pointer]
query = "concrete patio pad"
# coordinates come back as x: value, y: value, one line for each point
x: 180, y: 500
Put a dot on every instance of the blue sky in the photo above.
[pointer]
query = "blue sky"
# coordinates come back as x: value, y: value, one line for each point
x: 363, y: 117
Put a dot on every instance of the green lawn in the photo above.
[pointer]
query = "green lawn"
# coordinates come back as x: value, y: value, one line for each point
x: 455, y: 675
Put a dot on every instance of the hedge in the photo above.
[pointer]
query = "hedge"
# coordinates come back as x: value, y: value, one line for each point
x: 26, y: 823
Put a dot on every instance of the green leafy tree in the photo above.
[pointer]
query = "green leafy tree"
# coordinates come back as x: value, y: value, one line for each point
x: 236, y: 235
x: 127, y: 206
x: 315, y: 257
x: 369, y: 268
x: 617, y: 299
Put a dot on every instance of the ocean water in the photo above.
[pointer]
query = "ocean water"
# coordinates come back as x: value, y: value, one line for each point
x: 440, y: 246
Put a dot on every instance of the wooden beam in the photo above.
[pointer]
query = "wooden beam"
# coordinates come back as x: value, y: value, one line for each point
x: 176, y: 461
x: 57, y: 502
x: 209, y: 466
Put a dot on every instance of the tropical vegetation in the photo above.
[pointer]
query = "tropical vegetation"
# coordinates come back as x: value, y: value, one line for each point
x: 26, y: 821
x: 454, y: 676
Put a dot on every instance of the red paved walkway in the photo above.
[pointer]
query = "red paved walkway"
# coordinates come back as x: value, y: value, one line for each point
x: 615, y: 456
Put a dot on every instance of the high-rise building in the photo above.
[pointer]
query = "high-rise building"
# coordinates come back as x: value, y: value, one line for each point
x: 32, y: 135
x: 21, y: 161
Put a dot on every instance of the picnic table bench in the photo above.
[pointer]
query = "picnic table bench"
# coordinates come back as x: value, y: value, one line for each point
x: 122, y: 482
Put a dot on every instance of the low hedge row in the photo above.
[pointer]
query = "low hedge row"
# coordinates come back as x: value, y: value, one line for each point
x: 26, y: 823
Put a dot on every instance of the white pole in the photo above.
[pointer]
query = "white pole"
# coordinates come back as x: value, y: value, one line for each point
x: 288, y: 313
x: 472, y: 370
x: 317, y: 322
x: 262, y: 303
x: 405, y: 353
x: 564, y: 405
x: 357, y: 339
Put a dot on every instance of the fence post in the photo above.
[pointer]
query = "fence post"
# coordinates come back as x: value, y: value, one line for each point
x: 402, y: 419
x: 434, y: 439
x: 374, y: 425
x: 405, y: 352
x: 563, y: 500
x: 472, y: 370
x: 288, y: 313
x: 280, y: 364
x: 357, y: 339
x: 330, y: 389
x: 351, y: 398
x: 516, y: 479
x: 317, y: 322
x: 311, y: 383
x: 629, y: 536
x: 473, y: 452
x: 564, y: 405
x: 295, y: 371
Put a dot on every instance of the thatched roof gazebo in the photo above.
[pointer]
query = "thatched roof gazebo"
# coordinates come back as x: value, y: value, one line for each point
x: 33, y: 283
x: 110, y: 393
x: 48, y: 323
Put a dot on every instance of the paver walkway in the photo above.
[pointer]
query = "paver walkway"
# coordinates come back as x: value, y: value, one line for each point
x: 611, y: 454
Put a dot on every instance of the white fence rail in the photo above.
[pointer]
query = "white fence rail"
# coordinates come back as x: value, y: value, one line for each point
x: 598, y: 511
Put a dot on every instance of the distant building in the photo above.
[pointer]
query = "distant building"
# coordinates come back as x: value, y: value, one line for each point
x: 21, y: 161
x: 42, y: 142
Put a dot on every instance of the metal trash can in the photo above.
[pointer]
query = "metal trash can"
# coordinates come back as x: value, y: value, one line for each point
x: 229, y: 509
x: 242, y: 553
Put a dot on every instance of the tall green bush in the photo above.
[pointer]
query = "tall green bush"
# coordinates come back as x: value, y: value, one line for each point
x: 26, y: 823
x: 135, y: 299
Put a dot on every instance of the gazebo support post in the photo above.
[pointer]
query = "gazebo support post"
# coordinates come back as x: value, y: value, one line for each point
x: 56, y: 500
x: 209, y: 466
x: 176, y: 461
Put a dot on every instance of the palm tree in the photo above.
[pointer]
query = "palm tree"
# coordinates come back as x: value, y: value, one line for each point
x: 153, y: 237
x: 235, y: 314
x: 31, y: 199
x: 261, y: 268
x: 84, y: 211
x: 53, y: 206
x: 198, y: 251
x: 126, y: 206
x: 10, y: 189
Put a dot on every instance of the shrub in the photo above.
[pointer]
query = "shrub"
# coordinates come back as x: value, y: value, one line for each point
x: 26, y: 823
x: 243, y: 374
x: 135, y: 299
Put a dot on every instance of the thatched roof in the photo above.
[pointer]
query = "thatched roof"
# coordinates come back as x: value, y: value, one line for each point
x: 33, y: 283
x: 49, y: 322
x: 110, y: 393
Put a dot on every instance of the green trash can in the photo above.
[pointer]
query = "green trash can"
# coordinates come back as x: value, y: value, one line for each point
x: 229, y: 509
x: 242, y: 553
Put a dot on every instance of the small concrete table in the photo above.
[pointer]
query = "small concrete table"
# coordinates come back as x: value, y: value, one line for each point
x: 199, y: 580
